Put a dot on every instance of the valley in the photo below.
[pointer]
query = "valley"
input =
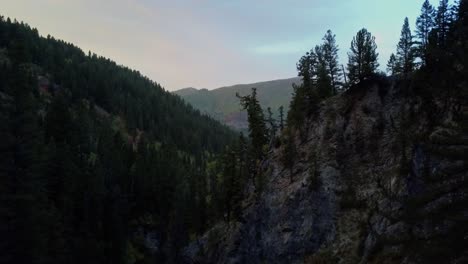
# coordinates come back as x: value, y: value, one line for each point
x: 352, y: 161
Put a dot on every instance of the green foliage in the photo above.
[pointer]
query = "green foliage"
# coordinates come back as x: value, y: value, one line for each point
x: 424, y: 25
x: 443, y: 19
x: 90, y: 150
x: 444, y: 72
x: 321, y: 78
x: 362, y: 60
x: 330, y: 53
x: 393, y: 65
x: 406, y: 53
x: 223, y: 105
x: 258, y: 132
x: 24, y: 214
x: 298, y: 109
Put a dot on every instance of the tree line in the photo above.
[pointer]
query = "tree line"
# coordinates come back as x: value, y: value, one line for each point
x: 434, y: 56
x: 92, y: 165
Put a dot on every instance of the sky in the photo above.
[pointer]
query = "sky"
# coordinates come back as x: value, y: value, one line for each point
x: 213, y: 43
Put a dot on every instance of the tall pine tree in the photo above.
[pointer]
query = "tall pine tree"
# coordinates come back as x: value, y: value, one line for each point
x: 443, y: 19
x: 405, y: 51
x: 330, y: 54
x: 258, y: 131
x: 362, y: 59
x: 393, y: 65
x: 424, y: 25
x: 323, y: 82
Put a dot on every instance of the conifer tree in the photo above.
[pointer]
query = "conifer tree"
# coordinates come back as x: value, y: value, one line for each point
x: 304, y: 94
x: 405, y: 51
x: 442, y: 20
x: 23, y: 204
x: 362, y: 59
x: 257, y: 128
x: 303, y: 103
x: 392, y: 65
x: 323, y: 82
x: 281, y: 117
x: 330, y: 53
x: 306, y: 69
x: 72, y: 176
x: 459, y: 47
x: 438, y: 56
x: 424, y: 25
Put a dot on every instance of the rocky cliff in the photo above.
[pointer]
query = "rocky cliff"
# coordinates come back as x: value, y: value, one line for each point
x: 381, y: 177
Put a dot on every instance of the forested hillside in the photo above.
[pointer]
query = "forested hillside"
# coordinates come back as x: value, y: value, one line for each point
x: 222, y: 104
x: 99, y: 164
x: 97, y: 161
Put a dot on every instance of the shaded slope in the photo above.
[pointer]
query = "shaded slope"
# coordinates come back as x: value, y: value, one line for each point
x: 98, y: 163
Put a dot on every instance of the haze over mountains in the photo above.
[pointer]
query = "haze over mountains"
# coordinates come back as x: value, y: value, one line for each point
x: 223, y: 105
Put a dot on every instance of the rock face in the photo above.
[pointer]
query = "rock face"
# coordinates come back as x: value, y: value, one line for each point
x: 377, y: 180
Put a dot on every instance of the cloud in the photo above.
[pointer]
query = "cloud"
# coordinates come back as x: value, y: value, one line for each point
x: 207, y: 43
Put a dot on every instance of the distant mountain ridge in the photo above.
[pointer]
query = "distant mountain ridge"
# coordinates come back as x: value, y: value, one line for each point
x: 187, y: 91
x: 222, y: 104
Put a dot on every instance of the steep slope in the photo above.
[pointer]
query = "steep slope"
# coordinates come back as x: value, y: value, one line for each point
x: 375, y: 182
x: 120, y: 91
x: 222, y: 104
x: 98, y: 163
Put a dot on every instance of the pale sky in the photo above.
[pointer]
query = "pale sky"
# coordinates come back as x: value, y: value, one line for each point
x: 213, y: 43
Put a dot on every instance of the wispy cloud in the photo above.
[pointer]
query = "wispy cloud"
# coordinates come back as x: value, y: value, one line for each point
x: 207, y: 43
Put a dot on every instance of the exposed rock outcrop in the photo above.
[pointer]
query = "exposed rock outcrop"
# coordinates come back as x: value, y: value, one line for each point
x: 378, y: 180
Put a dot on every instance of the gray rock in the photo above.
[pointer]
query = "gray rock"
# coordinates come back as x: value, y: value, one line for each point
x: 380, y: 193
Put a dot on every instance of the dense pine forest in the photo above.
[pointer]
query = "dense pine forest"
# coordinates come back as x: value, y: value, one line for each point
x: 95, y: 154
x: 100, y: 164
